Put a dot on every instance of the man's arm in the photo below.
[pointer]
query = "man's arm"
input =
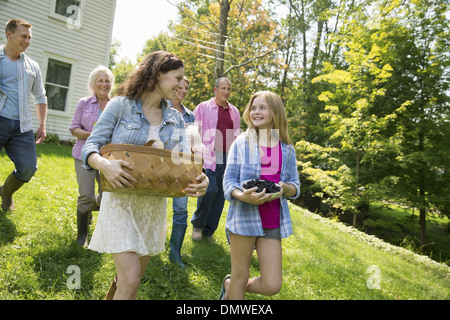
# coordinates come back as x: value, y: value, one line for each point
x: 41, y: 112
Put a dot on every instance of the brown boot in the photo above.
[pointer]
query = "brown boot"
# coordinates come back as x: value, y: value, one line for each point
x: 6, y: 191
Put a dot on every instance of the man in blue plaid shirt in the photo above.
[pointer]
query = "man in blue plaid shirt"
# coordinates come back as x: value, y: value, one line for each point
x: 20, y: 76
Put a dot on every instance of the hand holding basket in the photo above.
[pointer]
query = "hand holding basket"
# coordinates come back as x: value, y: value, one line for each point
x: 157, y: 171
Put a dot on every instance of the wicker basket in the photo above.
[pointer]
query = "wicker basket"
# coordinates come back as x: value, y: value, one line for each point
x: 157, y: 171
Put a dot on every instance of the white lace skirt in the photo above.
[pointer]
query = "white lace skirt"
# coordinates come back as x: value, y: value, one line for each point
x: 130, y: 223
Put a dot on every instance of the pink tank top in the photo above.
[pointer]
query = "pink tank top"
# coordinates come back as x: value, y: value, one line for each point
x: 271, y: 159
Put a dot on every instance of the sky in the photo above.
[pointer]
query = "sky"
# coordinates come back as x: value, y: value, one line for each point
x: 136, y: 21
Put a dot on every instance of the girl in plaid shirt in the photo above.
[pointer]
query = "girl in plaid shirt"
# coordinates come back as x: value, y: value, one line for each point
x: 255, y: 219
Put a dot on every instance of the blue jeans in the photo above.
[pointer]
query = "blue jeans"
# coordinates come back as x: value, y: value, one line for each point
x: 20, y: 148
x: 210, y: 206
x: 180, y: 213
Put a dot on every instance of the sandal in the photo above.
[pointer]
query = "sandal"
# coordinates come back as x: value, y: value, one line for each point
x: 197, y: 234
x: 222, y: 290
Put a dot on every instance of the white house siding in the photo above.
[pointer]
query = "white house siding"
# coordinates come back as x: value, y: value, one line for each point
x: 84, y: 48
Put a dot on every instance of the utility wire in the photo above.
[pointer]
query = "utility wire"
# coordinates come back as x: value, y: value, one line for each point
x: 206, y: 55
x: 202, y: 46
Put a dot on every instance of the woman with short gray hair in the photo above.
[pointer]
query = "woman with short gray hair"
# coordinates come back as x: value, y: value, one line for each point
x: 88, y: 111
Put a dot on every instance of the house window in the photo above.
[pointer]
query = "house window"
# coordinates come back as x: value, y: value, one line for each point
x: 57, y: 84
x: 63, y: 7
x: 68, y: 11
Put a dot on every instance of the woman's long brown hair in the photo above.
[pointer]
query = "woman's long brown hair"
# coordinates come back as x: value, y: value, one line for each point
x: 146, y: 76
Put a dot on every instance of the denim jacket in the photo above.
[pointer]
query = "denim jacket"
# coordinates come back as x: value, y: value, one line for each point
x: 188, y: 115
x: 123, y: 121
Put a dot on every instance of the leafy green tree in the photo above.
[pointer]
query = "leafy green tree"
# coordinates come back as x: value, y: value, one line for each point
x: 352, y: 126
x: 418, y: 37
x: 113, y: 52
x: 121, y: 68
x: 387, y: 106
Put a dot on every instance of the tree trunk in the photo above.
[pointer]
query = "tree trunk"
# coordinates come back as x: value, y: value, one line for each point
x: 312, y: 72
x: 315, y: 57
x: 356, y: 186
x: 221, y: 38
x: 288, y: 58
x: 304, y: 46
x: 422, y: 210
x: 423, y: 226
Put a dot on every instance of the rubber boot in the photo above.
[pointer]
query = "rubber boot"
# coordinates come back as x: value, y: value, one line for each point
x: 6, y: 191
x: 82, y: 226
x: 176, y: 241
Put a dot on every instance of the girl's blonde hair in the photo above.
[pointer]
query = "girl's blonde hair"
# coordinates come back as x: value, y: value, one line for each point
x: 276, y: 109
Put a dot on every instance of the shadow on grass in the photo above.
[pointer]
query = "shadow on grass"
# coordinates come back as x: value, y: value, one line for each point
x: 8, y: 231
x: 207, y: 263
x: 164, y: 280
x: 56, y: 270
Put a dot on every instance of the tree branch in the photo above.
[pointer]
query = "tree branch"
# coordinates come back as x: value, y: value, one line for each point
x: 188, y: 15
x: 252, y: 59
x: 241, y: 8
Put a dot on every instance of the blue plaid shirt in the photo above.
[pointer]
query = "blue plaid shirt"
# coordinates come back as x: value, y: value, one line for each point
x: 244, y: 164
x: 29, y: 82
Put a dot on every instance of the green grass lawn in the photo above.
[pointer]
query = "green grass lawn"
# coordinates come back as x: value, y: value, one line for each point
x: 323, y: 259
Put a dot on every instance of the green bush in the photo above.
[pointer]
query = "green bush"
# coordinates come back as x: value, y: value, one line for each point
x: 52, y: 138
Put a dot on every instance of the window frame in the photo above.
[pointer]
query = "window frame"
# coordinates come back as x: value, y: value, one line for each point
x: 71, y: 23
x: 70, y: 87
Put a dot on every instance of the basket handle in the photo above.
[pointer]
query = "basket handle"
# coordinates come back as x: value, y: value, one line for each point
x: 150, y: 142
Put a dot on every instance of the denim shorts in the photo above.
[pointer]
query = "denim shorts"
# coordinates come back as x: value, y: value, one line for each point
x: 20, y: 148
x: 274, y: 234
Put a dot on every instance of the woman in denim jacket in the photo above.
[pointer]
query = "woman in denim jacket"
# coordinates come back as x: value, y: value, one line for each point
x: 133, y: 227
